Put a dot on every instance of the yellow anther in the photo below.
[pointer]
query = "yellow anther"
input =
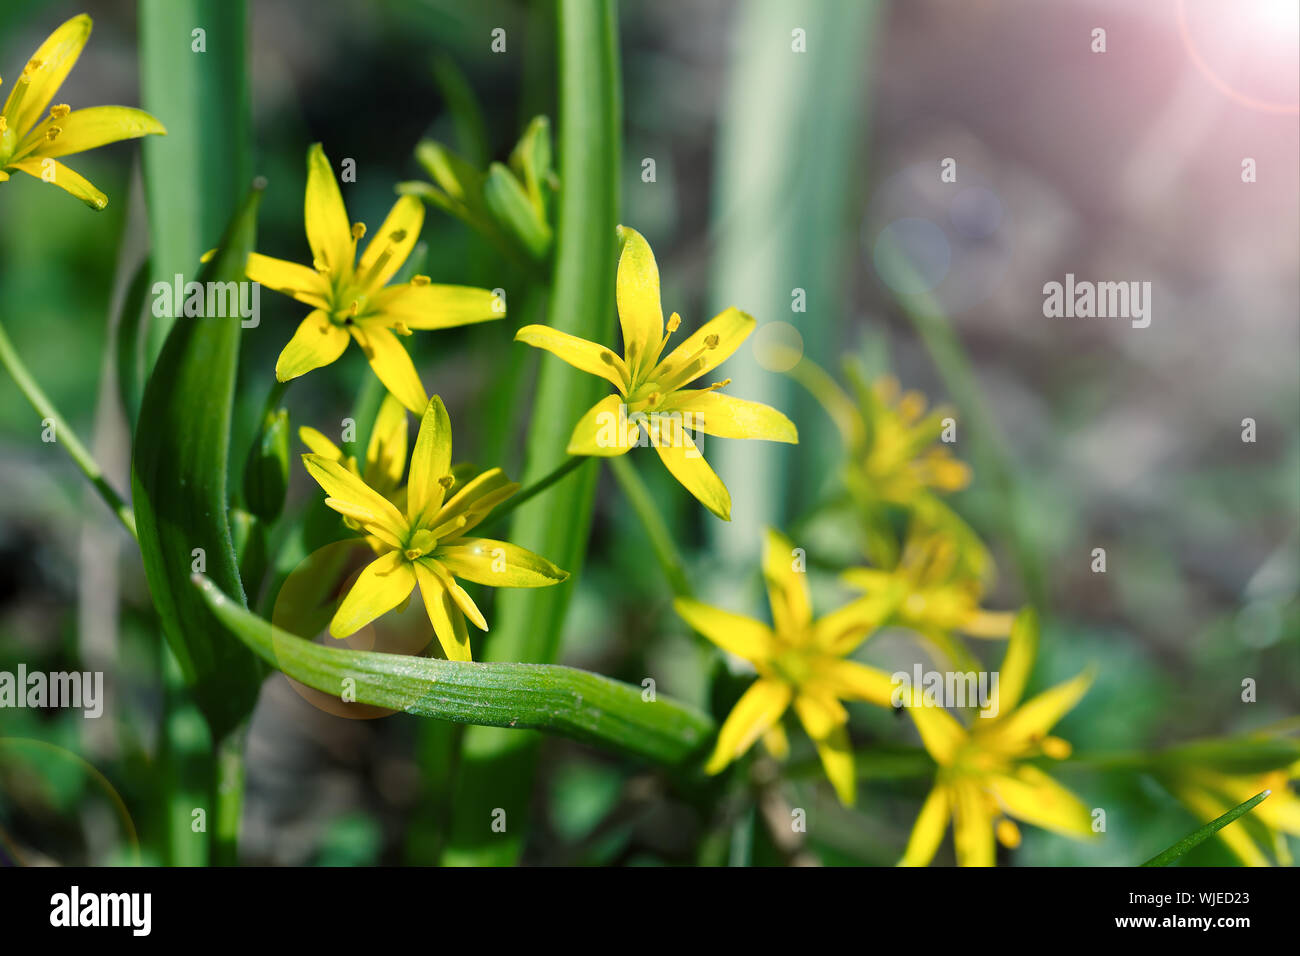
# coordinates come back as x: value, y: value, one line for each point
x: 401, y: 328
x: 412, y: 554
x: 358, y: 230
x: 723, y: 384
x: 447, y: 481
x: 354, y: 308
x: 60, y: 111
x: 1056, y: 748
x: 53, y: 132
x: 4, y: 125
x: 674, y: 323
x: 419, y: 280
x: 31, y: 67
x: 711, y: 341
x: 1008, y: 834
x: 397, y: 235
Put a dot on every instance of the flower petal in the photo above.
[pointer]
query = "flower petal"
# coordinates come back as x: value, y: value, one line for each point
x: 940, y: 732
x: 498, y: 564
x: 430, y: 464
x: 317, y: 343
x: 836, y: 755
x: 384, y: 583
x: 787, y: 588
x: 386, y: 450
x: 727, y: 417
x: 842, y: 630
x: 447, y: 620
x: 685, y: 462
x: 1031, y: 795
x: 328, y: 231
x: 392, y: 243
x: 972, y: 825
x: 392, y: 364
x: 63, y: 177
x: 1017, y: 662
x: 927, y: 832
x: 640, y: 312
x: 734, y: 633
x: 476, y: 500
x: 49, y: 66
x: 605, y: 430
x: 431, y: 306
x: 86, y: 129
x: 695, y: 356
x: 342, y: 484
x: 1033, y: 719
x: 319, y: 444
x: 850, y: 680
x: 304, y: 284
x: 758, y: 709
x: 581, y: 354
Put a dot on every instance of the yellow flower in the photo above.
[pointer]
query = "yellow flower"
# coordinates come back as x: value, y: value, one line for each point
x: 982, y: 783
x: 348, y: 296
x: 932, y: 592
x: 800, y: 663
x: 1212, y: 793
x: 426, y: 545
x: 652, y: 402
x: 30, y: 145
x: 385, y: 453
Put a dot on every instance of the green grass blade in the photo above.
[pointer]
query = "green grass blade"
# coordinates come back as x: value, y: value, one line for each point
x: 197, y: 173
x: 548, y: 697
x: 496, y: 766
x: 178, y: 482
x: 1205, y: 832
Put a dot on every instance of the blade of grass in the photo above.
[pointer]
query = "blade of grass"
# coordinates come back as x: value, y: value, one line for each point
x: 1204, y: 833
x: 497, y: 767
x: 562, y: 700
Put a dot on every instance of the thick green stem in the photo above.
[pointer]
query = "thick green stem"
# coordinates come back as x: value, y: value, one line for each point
x: 63, y: 433
x: 228, y: 798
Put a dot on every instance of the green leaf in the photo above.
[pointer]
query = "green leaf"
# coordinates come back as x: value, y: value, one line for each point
x: 527, y: 623
x: 129, y: 345
x: 178, y: 483
x: 1205, y: 832
x: 266, y: 473
x: 562, y: 700
x: 197, y: 173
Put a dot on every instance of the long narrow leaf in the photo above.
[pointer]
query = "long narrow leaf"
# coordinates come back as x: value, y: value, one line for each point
x: 1204, y: 833
x: 562, y: 700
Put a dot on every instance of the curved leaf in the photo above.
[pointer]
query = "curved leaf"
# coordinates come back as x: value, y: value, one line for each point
x: 563, y: 700
x: 1204, y: 833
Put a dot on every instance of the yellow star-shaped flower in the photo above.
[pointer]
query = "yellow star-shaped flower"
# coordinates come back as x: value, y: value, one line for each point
x: 800, y: 663
x: 31, y: 145
x: 982, y: 780
x: 350, y: 298
x: 653, y: 404
x: 426, y: 545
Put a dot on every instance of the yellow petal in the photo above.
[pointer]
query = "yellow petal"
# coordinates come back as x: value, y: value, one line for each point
x: 757, y: 710
x: 940, y: 732
x: 431, y: 306
x: 305, y: 285
x: 319, y: 444
x: 708, y: 348
x: 581, y: 354
x: 606, y: 430
x: 328, y: 231
x: 827, y: 727
x: 1018, y: 661
x: 386, y: 450
x: 366, y: 520
x: 498, y: 564
x: 972, y: 825
x: 640, y: 312
x: 842, y: 630
x: 392, y: 364
x: 341, y: 483
x: 776, y: 743
x: 727, y: 417
x: 685, y: 462
x: 49, y: 66
x: 734, y: 633
x: 475, y: 500
x: 86, y: 129
x: 392, y: 243
x: 787, y: 588
x: 1033, y: 719
x: 430, y: 463
x: 53, y: 171
x: 317, y: 343
x: 1031, y: 795
x: 384, y: 583
x: 850, y: 680
x: 927, y: 832
x: 447, y: 620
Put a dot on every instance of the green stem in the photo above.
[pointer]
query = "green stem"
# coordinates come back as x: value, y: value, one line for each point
x: 537, y: 487
x: 228, y: 798
x: 63, y: 433
x: 656, y: 529
x: 1204, y: 833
